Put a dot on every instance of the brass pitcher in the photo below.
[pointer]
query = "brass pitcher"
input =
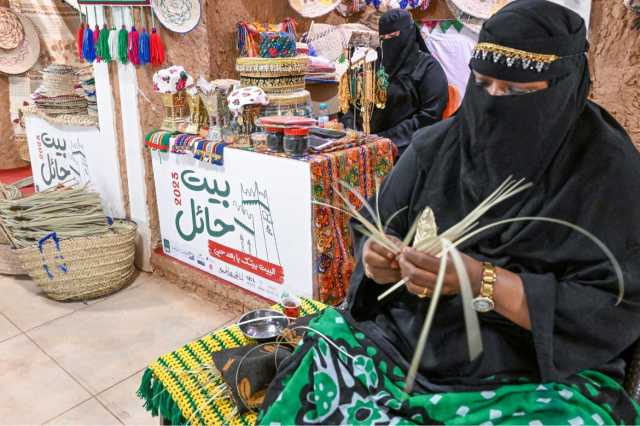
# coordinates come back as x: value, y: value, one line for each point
x: 197, y: 115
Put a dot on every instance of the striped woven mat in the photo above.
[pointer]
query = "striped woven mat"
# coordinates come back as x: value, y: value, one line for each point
x: 176, y: 387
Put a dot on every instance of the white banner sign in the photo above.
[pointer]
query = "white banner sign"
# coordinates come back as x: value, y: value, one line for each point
x: 57, y: 157
x: 73, y: 156
x: 247, y: 222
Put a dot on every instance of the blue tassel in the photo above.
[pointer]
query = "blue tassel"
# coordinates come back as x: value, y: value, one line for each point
x: 144, y: 49
x: 88, y: 48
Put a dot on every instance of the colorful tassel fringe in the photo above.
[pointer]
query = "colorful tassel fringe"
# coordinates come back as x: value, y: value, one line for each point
x: 123, y: 43
x: 113, y: 44
x: 88, y: 48
x: 144, y: 48
x: 79, y: 38
x: 134, y: 41
x: 138, y: 48
x: 103, y: 45
x: 157, y: 49
x: 96, y: 38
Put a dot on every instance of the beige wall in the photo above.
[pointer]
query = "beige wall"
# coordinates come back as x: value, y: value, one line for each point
x: 615, y: 63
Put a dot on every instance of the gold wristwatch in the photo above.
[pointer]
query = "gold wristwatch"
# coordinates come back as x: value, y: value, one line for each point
x: 484, y: 302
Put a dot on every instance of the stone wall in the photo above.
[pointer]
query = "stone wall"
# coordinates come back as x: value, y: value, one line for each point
x: 615, y: 63
x: 8, y: 154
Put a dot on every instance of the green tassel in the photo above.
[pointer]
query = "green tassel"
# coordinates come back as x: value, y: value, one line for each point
x: 145, y: 389
x: 123, y: 46
x: 103, y: 45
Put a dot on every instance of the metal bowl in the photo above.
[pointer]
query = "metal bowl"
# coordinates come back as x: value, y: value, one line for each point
x: 265, y: 329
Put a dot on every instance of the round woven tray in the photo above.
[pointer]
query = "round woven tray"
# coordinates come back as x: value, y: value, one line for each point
x: 11, y: 31
x: 9, y: 262
x: 83, y: 268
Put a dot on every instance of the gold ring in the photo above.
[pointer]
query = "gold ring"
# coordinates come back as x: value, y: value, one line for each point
x: 367, y: 273
x: 425, y: 293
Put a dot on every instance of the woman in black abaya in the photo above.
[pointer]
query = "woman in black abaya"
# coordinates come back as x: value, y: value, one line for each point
x: 418, y: 89
x: 552, y: 333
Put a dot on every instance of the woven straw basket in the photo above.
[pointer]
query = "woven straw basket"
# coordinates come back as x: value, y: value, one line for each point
x: 13, y: 194
x: 84, y: 268
x: 9, y: 262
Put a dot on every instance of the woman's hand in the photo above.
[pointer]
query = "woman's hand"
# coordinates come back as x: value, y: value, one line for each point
x: 380, y: 264
x: 421, y: 270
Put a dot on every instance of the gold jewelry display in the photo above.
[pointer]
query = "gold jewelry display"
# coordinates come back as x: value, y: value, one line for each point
x: 360, y: 87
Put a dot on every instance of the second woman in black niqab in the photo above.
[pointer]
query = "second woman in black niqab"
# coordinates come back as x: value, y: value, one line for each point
x: 418, y: 89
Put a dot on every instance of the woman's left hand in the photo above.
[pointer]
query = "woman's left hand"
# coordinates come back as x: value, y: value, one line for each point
x: 421, y: 270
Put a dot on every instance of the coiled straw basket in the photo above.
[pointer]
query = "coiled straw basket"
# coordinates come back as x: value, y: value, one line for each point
x: 83, y: 268
x: 9, y: 263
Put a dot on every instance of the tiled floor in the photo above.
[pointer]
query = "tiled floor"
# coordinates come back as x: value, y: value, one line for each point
x: 81, y: 364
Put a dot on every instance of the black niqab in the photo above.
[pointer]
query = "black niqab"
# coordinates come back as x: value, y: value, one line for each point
x: 401, y: 52
x: 585, y: 170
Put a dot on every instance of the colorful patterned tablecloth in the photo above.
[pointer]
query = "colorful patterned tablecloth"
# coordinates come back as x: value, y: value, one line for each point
x: 358, y: 162
x: 177, y: 387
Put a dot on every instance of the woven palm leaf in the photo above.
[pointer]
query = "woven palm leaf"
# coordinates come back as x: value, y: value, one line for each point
x: 70, y: 213
x: 7, y: 192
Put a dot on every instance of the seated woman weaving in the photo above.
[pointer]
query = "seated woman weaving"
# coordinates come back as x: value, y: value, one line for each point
x: 552, y: 333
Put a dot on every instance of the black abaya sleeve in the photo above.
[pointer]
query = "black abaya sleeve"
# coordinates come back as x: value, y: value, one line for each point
x: 433, y: 93
x: 395, y: 194
x: 576, y: 324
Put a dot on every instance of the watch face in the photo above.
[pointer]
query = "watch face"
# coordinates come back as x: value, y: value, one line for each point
x: 483, y: 304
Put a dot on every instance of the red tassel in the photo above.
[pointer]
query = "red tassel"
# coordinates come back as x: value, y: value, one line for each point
x: 96, y: 36
x: 79, y: 40
x: 157, y: 49
x: 133, y: 46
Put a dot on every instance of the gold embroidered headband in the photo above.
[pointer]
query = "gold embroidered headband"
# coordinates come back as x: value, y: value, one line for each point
x: 510, y: 57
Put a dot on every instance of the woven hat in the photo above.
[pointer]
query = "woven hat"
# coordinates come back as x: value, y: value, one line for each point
x: 313, y: 8
x: 482, y: 9
x: 473, y: 13
x: 179, y: 16
x: 21, y: 34
x: 11, y: 32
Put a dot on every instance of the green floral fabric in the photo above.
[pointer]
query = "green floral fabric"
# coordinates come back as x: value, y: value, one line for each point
x: 347, y: 380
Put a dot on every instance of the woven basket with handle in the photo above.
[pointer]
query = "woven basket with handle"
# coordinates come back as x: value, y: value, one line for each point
x: 83, y: 268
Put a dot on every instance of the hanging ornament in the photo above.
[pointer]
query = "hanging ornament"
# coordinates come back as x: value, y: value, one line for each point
x: 123, y: 43
x: 80, y: 36
x: 103, y: 44
x: 96, y: 38
x: 88, y: 49
x: 133, y: 46
x: 144, y: 48
x: 157, y: 49
x: 382, y: 84
x: 113, y: 43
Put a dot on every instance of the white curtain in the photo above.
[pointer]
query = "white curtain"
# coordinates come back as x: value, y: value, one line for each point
x: 452, y: 49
